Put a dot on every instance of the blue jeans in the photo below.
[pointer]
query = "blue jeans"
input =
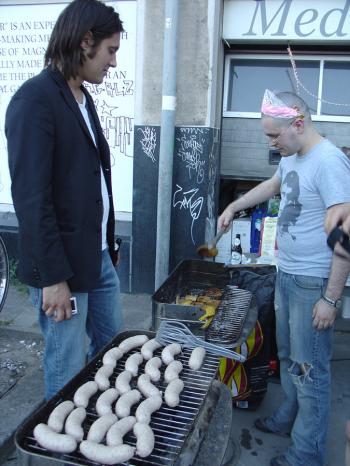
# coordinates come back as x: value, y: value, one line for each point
x: 305, y: 355
x: 99, y: 315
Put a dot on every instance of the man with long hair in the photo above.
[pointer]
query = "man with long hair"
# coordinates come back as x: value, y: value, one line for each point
x: 62, y: 193
x: 313, y: 178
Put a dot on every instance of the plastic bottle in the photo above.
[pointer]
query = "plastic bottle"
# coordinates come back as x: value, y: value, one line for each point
x: 236, y: 251
x: 258, y: 214
x: 273, y: 206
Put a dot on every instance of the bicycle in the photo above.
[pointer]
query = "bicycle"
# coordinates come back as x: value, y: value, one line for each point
x: 4, y: 273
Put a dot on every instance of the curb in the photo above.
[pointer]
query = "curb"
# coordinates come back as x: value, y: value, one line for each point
x: 20, y: 334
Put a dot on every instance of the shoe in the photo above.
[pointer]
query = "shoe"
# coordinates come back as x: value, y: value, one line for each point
x: 279, y: 461
x: 261, y: 425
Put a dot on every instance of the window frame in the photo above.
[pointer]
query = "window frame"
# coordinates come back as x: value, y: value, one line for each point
x: 325, y: 58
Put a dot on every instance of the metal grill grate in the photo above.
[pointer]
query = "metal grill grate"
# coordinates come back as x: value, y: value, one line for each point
x: 171, y: 426
x: 227, y: 325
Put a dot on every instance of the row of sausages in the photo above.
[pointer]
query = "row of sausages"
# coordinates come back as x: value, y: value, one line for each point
x: 69, y: 416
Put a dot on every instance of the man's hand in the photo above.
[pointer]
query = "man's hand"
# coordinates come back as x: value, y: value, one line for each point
x: 338, y: 215
x: 56, y: 302
x: 324, y: 315
x: 226, y: 218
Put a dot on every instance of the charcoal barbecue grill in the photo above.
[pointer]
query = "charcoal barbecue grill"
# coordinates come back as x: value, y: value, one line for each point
x: 228, y: 323
x: 178, y: 431
x: 197, y: 277
x: 236, y: 314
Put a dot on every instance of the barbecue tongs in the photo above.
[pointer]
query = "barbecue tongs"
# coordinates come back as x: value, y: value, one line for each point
x: 210, y: 250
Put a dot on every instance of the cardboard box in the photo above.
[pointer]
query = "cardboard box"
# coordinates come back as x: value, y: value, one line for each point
x: 242, y: 227
x: 268, y: 245
x: 224, y: 248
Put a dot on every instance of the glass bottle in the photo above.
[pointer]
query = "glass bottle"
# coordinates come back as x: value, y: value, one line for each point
x: 236, y: 251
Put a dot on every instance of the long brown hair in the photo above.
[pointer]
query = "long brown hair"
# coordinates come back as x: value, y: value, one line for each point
x: 64, y: 49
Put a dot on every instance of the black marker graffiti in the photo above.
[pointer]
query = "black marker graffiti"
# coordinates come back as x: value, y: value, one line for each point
x: 122, y: 88
x: 107, y: 109
x: 118, y: 133
x: 117, y: 129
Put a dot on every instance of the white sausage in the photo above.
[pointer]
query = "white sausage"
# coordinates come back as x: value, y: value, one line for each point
x: 112, y: 356
x: 106, y: 455
x: 104, y: 401
x: 74, y: 422
x: 152, y: 368
x: 123, y: 405
x: 196, y: 359
x: 172, y: 393
x: 102, y: 376
x: 169, y: 352
x: 172, y: 371
x: 84, y: 393
x: 149, y: 347
x: 144, y: 439
x: 133, y: 362
x: 100, y: 427
x: 122, y: 382
x: 146, y: 387
x: 133, y: 342
x: 47, y: 438
x: 117, y: 431
x: 148, y: 407
x: 59, y: 414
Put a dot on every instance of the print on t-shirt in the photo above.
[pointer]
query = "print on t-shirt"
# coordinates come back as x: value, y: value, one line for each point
x: 292, y: 208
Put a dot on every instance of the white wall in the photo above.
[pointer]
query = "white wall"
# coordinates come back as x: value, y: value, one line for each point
x: 24, y: 34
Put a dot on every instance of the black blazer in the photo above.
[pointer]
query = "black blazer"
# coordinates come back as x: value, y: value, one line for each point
x: 56, y: 184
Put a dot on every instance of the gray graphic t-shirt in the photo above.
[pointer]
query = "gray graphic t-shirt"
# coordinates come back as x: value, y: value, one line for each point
x: 309, y: 185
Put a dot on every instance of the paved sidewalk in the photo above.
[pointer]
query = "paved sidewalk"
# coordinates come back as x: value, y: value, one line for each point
x: 21, y: 348
x: 21, y: 385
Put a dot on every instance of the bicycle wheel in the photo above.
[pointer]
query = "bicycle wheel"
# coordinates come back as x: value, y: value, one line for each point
x: 4, y: 273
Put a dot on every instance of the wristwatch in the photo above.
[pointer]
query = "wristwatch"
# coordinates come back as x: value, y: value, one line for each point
x: 332, y: 302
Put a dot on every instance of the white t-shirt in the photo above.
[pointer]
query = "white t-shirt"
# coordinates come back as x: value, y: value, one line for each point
x: 104, y: 192
x: 310, y: 184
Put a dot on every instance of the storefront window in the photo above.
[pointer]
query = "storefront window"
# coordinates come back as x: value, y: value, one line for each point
x: 250, y: 78
x: 335, y: 88
x: 321, y: 81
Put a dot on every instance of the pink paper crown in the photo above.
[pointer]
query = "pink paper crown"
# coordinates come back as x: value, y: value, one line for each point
x: 276, y: 108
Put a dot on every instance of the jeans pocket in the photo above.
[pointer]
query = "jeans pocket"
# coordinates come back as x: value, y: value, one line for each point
x: 308, y: 283
x: 35, y: 296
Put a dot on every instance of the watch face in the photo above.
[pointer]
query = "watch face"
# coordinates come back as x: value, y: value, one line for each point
x: 338, y: 303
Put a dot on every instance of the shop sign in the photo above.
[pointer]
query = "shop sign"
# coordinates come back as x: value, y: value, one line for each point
x: 276, y: 20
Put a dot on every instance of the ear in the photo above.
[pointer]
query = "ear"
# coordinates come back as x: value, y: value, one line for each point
x: 87, y: 41
x: 299, y: 124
